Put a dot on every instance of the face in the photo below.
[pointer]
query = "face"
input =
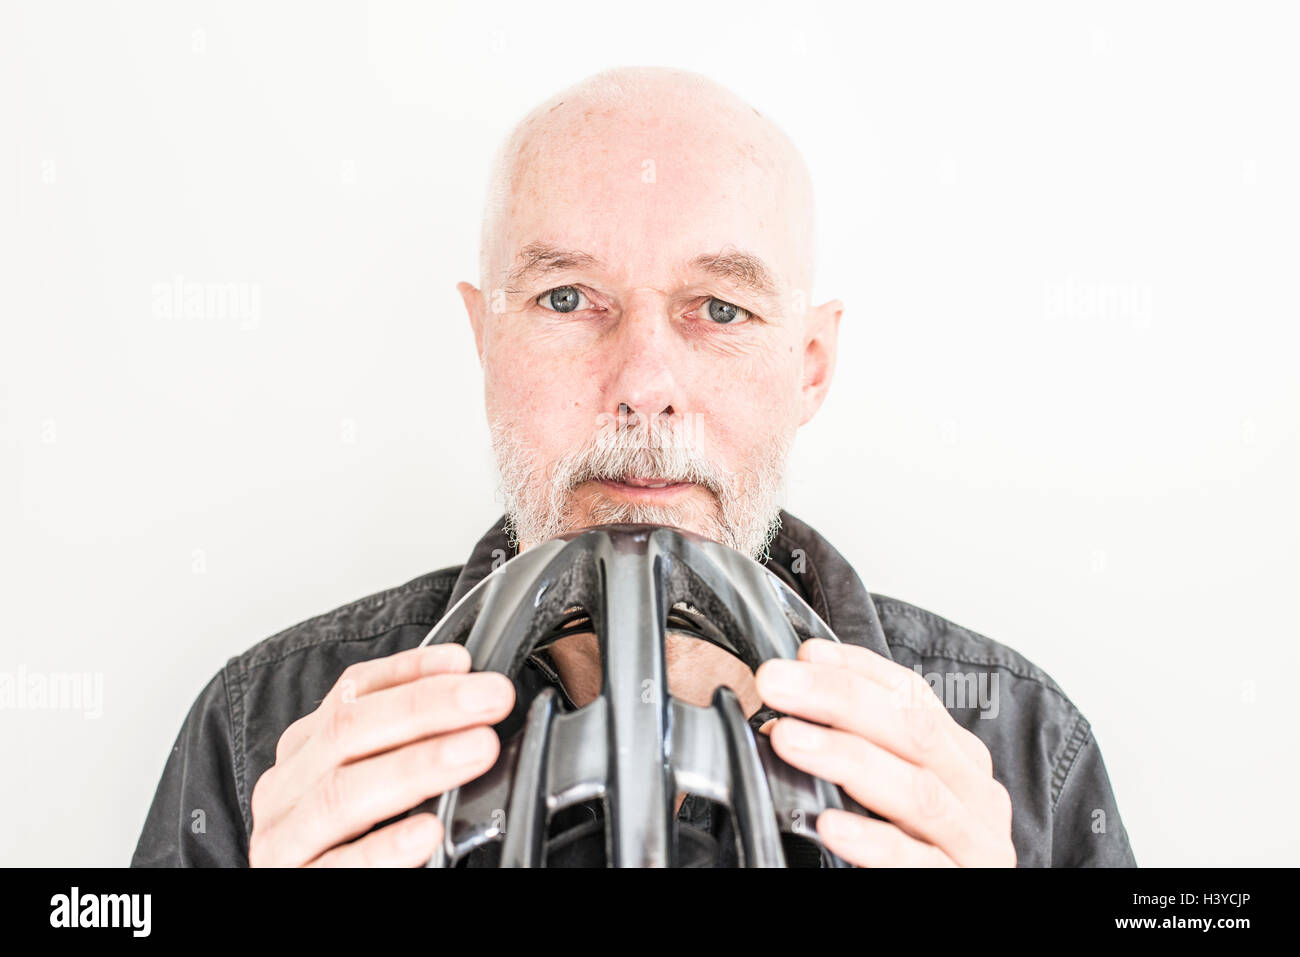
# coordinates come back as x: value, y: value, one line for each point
x: 647, y: 327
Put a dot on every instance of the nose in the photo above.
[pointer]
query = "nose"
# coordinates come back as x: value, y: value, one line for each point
x: 644, y: 349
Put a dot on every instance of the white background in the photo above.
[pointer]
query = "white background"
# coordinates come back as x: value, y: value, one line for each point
x: 1065, y: 413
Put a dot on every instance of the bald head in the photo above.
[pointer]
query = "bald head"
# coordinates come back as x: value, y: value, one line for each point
x: 636, y: 133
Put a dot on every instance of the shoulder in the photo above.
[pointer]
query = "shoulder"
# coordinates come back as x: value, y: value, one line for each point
x: 916, y: 632
x: 1043, y: 748
x: 283, y: 677
x: 1035, y: 733
x: 420, y: 601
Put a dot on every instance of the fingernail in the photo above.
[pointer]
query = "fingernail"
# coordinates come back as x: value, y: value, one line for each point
x: 788, y: 677
x: 824, y: 652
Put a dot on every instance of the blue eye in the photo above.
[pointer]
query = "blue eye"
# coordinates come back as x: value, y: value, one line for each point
x: 725, y: 314
x: 561, y: 299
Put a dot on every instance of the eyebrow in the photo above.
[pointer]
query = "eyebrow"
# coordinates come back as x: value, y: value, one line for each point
x: 541, y: 259
x: 745, y: 270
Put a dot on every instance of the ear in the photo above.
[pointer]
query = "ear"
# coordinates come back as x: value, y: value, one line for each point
x: 821, y: 343
x: 475, y: 307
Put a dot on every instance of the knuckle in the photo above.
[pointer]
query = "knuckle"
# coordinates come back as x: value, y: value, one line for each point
x: 422, y: 695
x: 918, y: 682
x: 897, y: 678
x: 259, y: 850
x: 911, y: 693
x: 339, y: 724
x: 333, y: 794
x: 983, y: 755
x: 923, y: 725
x: 918, y: 690
x: 351, y: 676
x: 290, y: 734
x: 406, y: 666
x: 929, y: 792
x: 1002, y: 800
x: 261, y: 792
x: 848, y: 690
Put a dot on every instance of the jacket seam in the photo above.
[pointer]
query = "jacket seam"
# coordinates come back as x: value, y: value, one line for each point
x: 1079, y: 735
x: 235, y: 711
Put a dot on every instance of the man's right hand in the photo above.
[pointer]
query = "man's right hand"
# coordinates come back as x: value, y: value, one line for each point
x: 391, y: 733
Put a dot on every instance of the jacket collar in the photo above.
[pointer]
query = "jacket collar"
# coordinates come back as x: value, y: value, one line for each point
x: 799, y: 556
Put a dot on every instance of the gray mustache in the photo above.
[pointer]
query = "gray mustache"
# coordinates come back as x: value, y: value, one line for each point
x: 677, y: 463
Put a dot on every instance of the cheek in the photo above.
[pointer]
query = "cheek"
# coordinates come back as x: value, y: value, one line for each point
x: 751, y: 402
x: 539, y: 393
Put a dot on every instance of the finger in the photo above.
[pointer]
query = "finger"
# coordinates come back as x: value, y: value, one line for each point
x: 976, y: 751
x: 348, y: 800
x: 866, y: 842
x: 398, y: 715
x: 871, y: 665
x: 366, y: 677
x: 836, y: 696
x: 910, y: 688
x: 406, y: 843
x: 912, y: 797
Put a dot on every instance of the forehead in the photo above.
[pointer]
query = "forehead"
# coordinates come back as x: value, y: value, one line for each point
x: 650, y: 196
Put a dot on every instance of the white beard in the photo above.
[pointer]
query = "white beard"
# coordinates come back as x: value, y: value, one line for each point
x: 538, y: 498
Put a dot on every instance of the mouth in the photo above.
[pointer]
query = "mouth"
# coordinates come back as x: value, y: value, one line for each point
x: 646, y: 488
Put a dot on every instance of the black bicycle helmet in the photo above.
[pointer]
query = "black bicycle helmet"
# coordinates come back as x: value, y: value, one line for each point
x: 634, y: 747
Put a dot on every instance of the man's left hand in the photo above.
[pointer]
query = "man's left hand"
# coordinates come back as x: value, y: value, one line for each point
x: 877, y: 730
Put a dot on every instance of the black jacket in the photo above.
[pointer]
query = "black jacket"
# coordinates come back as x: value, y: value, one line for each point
x: 1064, y: 812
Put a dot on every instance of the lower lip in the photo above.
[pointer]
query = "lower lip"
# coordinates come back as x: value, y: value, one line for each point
x: 640, y: 494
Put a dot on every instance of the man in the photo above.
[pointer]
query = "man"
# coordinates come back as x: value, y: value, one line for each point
x: 649, y: 350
